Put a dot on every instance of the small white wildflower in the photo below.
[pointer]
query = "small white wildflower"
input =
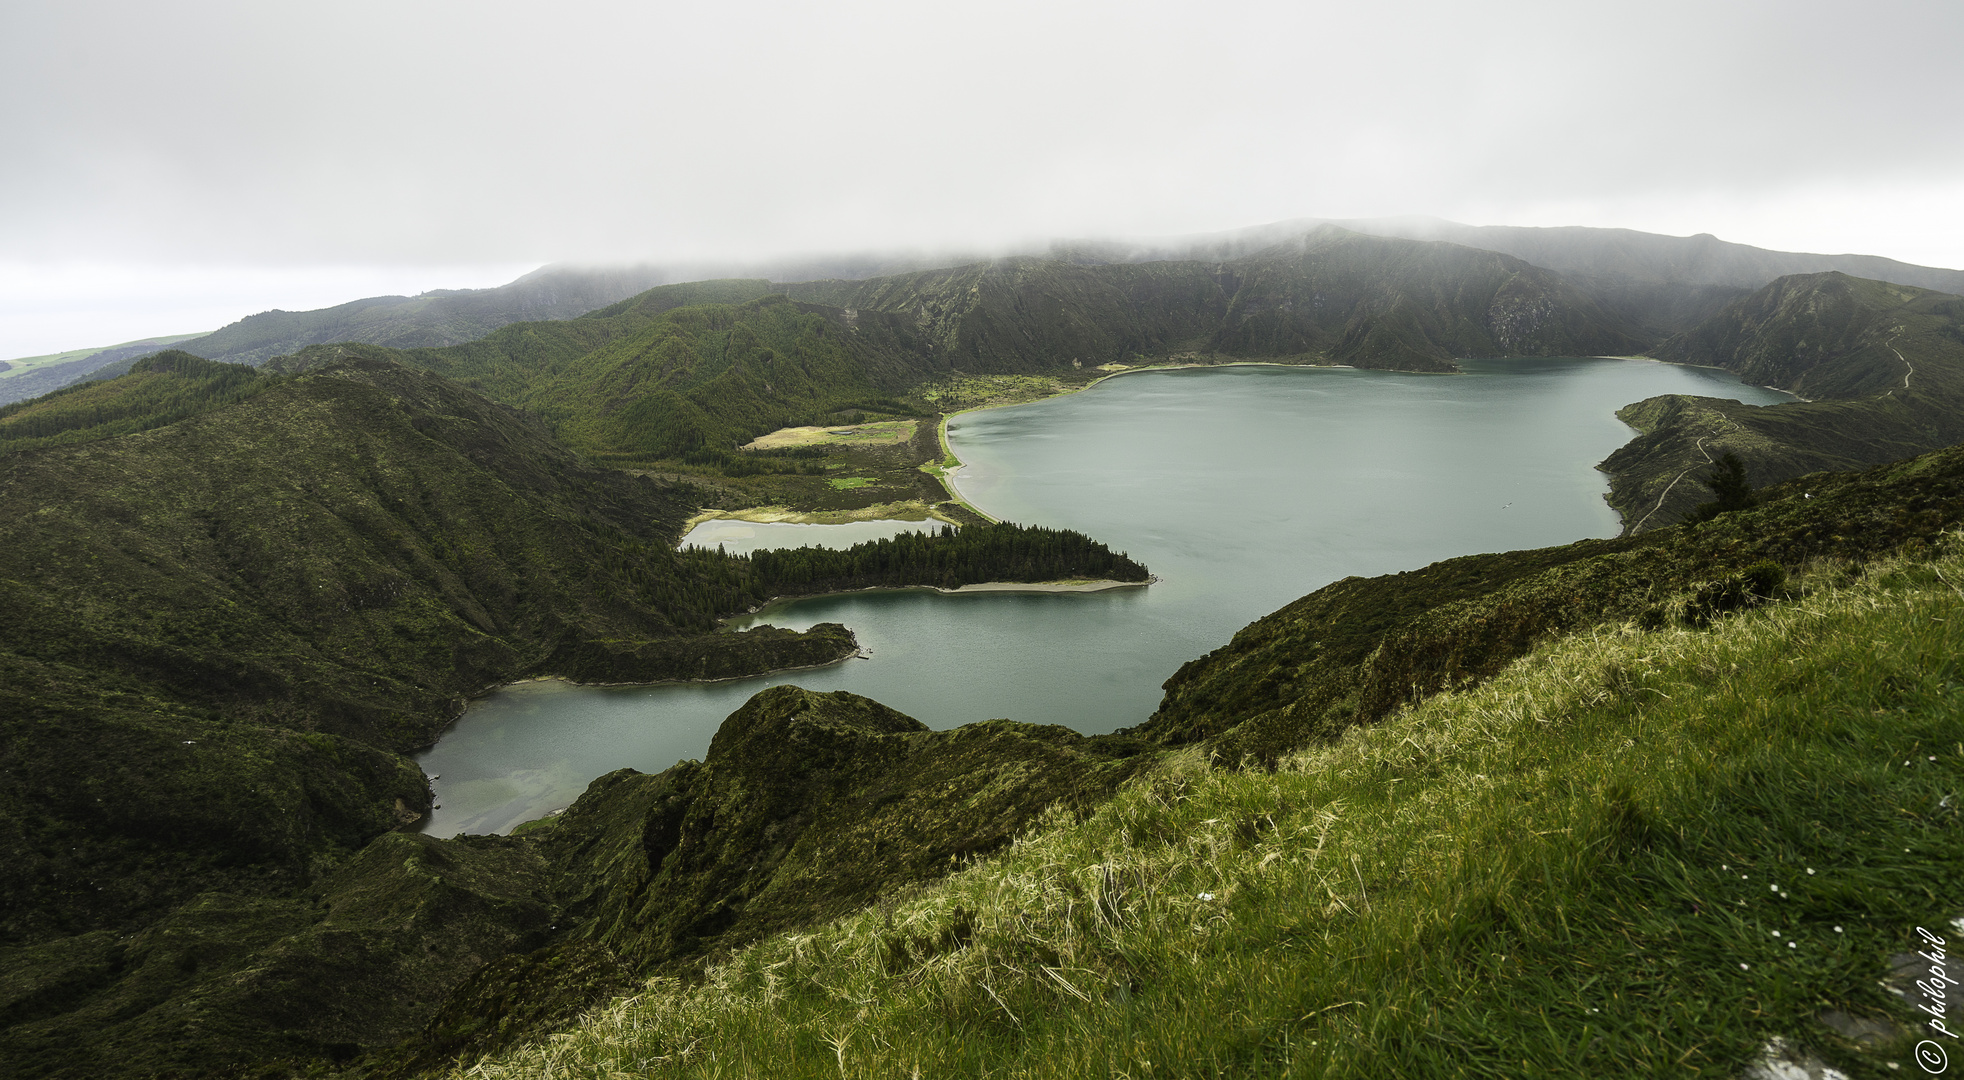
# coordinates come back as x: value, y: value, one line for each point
x: 1810, y: 871
x: 1933, y: 757
x: 1775, y: 888
x: 1793, y: 945
x: 1776, y: 933
x: 1742, y: 967
x: 1206, y: 896
x: 1837, y: 929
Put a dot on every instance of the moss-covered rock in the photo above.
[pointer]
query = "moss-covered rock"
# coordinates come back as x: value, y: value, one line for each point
x: 808, y: 805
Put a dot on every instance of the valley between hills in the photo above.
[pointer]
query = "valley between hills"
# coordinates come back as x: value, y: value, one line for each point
x: 241, y: 593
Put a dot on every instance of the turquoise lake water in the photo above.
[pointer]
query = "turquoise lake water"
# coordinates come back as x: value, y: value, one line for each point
x: 1242, y: 488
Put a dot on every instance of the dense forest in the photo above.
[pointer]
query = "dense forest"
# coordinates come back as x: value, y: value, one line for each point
x: 158, y: 391
x: 692, y: 587
x: 951, y: 558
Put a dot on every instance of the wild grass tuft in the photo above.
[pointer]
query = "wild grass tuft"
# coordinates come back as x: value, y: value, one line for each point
x: 1635, y: 852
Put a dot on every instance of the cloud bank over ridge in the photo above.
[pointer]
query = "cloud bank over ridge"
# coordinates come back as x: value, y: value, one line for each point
x: 436, y: 132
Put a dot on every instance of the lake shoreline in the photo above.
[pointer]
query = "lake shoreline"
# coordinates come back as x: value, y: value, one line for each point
x: 911, y: 510
x: 1042, y: 587
x: 946, y: 471
x: 1038, y: 587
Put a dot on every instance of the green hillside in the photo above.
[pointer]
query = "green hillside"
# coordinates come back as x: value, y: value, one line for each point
x: 330, y: 566
x: 681, y: 367
x: 159, y: 390
x: 224, y: 633
x: 1884, y: 364
x: 439, y: 317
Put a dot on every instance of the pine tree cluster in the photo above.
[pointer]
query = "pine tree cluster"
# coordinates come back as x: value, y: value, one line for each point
x: 948, y: 559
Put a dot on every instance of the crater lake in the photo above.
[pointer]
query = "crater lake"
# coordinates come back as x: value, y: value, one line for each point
x: 1240, y: 487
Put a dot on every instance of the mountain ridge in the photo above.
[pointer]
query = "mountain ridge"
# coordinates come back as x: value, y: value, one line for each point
x: 1662, y: 284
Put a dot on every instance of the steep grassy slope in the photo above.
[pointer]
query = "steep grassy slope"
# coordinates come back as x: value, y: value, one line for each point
x: 1334, y: 296
x: 720, y: 375
x: 807, y: 806
x: 1884, y: 362
x: 680, y: 368
x: 1833, y: 336
x: 1631, y: 853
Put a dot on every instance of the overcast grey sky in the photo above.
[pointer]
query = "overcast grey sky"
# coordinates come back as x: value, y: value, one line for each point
x: 183, y: 164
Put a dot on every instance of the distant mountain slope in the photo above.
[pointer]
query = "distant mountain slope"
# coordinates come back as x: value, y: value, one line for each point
x: 1331, y: 295
x: 711, y: 365
x: 1831, y: 336
x: 443, y: 317
x: 1661, y: 283
x: 66, y: 369
x: 1884, y: 363
x: 1703, y: 259
x: 678, y: 368
x: 1642, y: 283
x: 1571, y: 249
x: 454, y: 316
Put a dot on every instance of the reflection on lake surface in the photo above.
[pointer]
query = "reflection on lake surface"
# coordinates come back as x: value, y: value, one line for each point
x: 1241, y: 487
